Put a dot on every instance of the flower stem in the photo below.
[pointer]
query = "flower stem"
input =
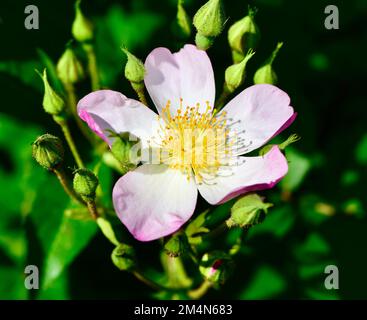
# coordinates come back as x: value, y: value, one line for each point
x: 176, y: 273
x: 65, y: 129
x: 139, y: 89
x: 92, y: 66
x: 72, y: 102
x: 92, y: 207
x: 217, y: 231
x: 200, y: 291
x: 222, y: 98
x: 60, y: 173
x: 150, y: 283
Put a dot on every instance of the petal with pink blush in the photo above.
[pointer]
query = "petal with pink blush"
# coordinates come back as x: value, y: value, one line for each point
x: 154, y: 201
x: 252, y: 173
x: 187, y: 74
x: 257, y: 114
x: 105, y: 111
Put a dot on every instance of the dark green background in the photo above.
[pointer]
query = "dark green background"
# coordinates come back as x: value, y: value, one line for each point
x: 323, y: 71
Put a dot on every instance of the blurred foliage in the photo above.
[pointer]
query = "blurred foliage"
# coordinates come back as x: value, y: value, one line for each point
x: 318, y: 216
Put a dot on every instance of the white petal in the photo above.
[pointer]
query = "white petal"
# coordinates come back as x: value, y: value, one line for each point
x: 187, y: 74
x: 257, y: 114
x: 154, y: 201
x: 252, y: 173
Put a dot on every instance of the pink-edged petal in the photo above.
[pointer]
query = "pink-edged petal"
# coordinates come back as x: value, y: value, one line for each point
x: 154, y: 201
x: 257, y: 114
x: 187, y: 74
x: 250, y: 174
x: 106, y: 110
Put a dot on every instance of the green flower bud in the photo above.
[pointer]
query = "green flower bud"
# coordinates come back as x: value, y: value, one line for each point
x: 248, y: 211
x: 52, y: 102
x: 82, y: 28
x: 177, y: 245
x: 68, y: 68
x: 216, y: 266
x: 203, y: 42
x: 243, y: 35
x: 282, y: 146
x: 134, y: 68
x: 183, y: 20
x: 121, y: 150
x: 209, y: 20
x: 123, y: 257
x: 235, y: 74
x: 266, y: 73
x: 85, y: 184
x: 48, y: 151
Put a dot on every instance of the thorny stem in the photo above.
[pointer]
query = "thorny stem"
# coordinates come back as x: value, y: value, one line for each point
x: 65, y: 129
x: 60, y: 173
x: 200, y: 291
x: 92, y: 66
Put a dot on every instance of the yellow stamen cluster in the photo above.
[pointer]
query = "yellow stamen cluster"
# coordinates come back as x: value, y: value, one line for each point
x: 194, y: 141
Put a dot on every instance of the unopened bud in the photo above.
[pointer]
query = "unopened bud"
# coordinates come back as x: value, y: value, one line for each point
x: 243, y: 35
x: 121, y: 150
x: 82, y: 28
x: 235, y: 74
x: 85, y: 184
x: 123, y: 257
x: 282, y: 146
x: 183, y: 20
x: 69, y: 69
x: 134, y: 68
x: 209, y: 21
x: 48, y: 151
x: 216, y: 266
x: 248, y: 211
x: 52, y: 102
x: 177, y: 245
x: 203, y: 42
x: 266, y: 73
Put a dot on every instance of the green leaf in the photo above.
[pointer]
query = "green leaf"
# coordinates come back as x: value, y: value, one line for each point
x: 278, y: 223
x: 119, y: 28
x: 12, y: 284
x: 266, y: 283
x: 361, y: 151
x: 24, y: 71
x: 72, y: 237
x: 299, y: 166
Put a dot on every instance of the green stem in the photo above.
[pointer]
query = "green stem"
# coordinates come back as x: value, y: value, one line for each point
x: 200, y: 291
x: 72, y: 101
x: 217, y: 231
x: 150, y: 283
x: 222, y: 98
x: 91, y: 205
x: 60, y: 173
x: 176, y: 273
x: 92, y: 66
x: 139, y: 89
x: 65, y: 129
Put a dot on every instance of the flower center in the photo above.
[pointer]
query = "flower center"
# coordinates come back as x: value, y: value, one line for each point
x: 192, y: 141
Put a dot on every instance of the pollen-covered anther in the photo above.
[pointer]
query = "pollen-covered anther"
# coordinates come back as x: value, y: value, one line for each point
x: 195, y: 141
